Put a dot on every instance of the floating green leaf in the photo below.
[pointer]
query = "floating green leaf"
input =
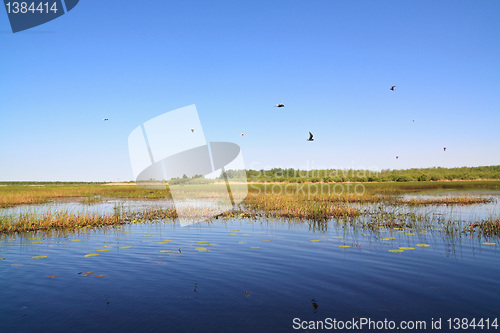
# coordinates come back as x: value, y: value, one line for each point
x: 165, y: 251
x: 203, y: 242
x: 236, y: 230
x: 102, y: 250
x: 233, y: 233
x: 338, y: 237
x: 75, y: 240
x: 119, y: 237
x: 486, y: 243
x: 36, y: 242
x: 125, y: 247
x: 91, y: 255
x: 314, y: 240
x: 254, y: 247
x: 162, y: 243
x: 344, y: 246
x: 406, y: 248
x: 201, y: 249
x: 38, y: 257
x: 423, y: 245
x: 387, y: 238
x: 396, y: 251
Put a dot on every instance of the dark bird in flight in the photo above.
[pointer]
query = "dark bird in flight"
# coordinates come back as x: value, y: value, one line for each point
x: 281, y: 105
x: 444, y: 148
x: 242, y: 134
x: 310, y: 137
x: 393, y: 88
x: 105, y: 119
x: 192, y: 130
x: 397, y: 157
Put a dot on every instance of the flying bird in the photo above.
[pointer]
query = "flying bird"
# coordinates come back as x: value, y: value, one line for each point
x: 242, y: 134
x: 310, y: 137
x: 105, y: 119
x: 444, y: 148
x: 192, y: 130
x: 281, y: 105
x: 397, y: 157
x: 393, y: 88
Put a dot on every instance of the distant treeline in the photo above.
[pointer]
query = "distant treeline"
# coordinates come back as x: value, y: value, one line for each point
x: 351, y: 175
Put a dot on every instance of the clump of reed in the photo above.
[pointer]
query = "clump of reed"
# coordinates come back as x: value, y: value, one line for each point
x: 61, y: 220
x: 448, y: 200
x: 489, y: 227
x: 284, y: 206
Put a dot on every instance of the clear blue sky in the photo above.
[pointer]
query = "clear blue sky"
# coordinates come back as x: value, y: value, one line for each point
x: 331, y: 62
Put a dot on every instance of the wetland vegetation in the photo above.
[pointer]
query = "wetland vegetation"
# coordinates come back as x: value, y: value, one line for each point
x: 368, y: 205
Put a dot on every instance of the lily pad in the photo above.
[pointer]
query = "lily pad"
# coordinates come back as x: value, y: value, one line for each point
x: 165, y: 251
x: 406, y: 248
x: 125, y: 247
x: 38, y: 257
x: 486, y: 243
x: 344, y: 246
x: 396, y: 251
x: 201, y: 249
x: 314, y: 240
x: 91, y: 255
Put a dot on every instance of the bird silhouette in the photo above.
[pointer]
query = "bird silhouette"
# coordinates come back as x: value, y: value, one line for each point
x: 310, y: 137
x: 393, y: 88
x: 281, y: 105
x: 192, y: 130
x: 105, y: 119
x: 444, y: 148
x: 397, y: 157
x: 242, y: 134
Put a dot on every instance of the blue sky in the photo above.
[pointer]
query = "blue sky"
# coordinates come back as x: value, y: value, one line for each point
x: 331, y: 62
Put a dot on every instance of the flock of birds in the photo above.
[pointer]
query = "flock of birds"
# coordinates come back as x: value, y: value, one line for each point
x: 311, y: 136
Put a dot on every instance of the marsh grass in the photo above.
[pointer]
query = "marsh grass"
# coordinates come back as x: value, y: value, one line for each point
x: 489, y: 227
x: 387, y: 211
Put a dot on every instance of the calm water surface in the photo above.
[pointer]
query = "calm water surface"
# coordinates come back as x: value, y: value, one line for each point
x: 243, y: 275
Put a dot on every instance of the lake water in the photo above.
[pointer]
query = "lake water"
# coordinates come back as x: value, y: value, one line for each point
x: 247, y: 275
